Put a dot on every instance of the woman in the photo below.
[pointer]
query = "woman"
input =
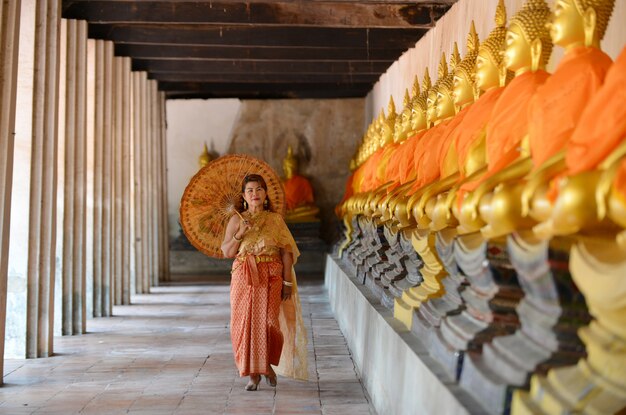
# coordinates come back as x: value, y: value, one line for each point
x: 265, y: 331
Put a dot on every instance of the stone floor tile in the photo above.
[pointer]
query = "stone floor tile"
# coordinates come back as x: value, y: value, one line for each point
x: 170, y: 353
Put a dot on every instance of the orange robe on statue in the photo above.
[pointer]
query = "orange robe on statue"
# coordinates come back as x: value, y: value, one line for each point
x: 602, y: 126
x: 556, y: 107
x: 298, y: 192
x: 427, y: 155
x: 446, y: 164
x: 508, y: 124
x: 474, y: 123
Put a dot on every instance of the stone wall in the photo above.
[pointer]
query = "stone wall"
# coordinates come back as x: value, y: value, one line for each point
x: 322, y: 133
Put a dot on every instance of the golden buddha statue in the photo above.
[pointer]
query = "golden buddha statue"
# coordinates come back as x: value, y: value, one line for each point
x: 205, y: 158
x: 577, y: 26
x: 490, y: 76
x: 299, y: 199
x: 397, y: 205
x: 436, y: 148
x: 402, y: 151
x: 455, y: 95
x: 403, y: 122
x: 528, y: 48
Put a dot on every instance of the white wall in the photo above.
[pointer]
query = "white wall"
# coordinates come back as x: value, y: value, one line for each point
x: 190, y: 124
x: 454, y: 26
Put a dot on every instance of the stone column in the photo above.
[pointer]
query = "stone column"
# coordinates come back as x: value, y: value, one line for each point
x: 164, y: 249
x: 117, y: 236
x: 74, y: 194
x: 98, y: 176
x: 103, y: 179
x: 126, y: 178
x: 151, y: 182
x: 90, y: 177
x: 9, y: 42
x: 142, y: 283
x: 33, y: 231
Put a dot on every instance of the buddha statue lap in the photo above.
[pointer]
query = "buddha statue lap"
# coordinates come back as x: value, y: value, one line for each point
x: 577, y: 26
x: 299, y: 198
x: 493, y: 207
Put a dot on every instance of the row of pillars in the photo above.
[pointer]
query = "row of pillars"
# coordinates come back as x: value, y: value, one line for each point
x: 82, y: 179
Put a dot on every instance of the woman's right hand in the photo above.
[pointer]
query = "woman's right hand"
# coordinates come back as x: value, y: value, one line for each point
x: 244, y: 227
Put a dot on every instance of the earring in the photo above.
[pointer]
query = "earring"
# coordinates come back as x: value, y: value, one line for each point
x: 265, y: 204
x: 245, y: 205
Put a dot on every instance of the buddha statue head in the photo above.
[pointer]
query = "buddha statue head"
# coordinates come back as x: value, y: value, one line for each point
x: 578, y: 23
x: 388, y: 124
x: 290, y: 164
x: 419, y: 119
x: 445, y: 101
x: 528, y: 43
x: 464, y: 89
x: 205, y: 157
x: 431, y: 100
x: 403, y: 122
x: 490, y: 69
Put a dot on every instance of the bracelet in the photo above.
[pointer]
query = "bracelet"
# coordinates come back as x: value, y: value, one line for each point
x: 235, y: 237
x: 287, y: 283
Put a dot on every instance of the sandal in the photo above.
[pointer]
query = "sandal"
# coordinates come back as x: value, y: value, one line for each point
x: 253, y: 383
x: 271, y: 379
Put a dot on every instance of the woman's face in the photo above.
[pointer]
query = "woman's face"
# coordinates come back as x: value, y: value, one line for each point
x: 254, y: 194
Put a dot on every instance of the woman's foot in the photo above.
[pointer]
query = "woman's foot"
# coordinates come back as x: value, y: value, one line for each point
x: 271, y: 378
x: 253, y: 383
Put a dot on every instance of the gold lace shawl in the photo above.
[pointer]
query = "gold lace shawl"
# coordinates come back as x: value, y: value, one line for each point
x: 268, y: 234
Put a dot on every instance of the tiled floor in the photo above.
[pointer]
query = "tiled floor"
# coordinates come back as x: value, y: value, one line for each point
x: 170, y: 353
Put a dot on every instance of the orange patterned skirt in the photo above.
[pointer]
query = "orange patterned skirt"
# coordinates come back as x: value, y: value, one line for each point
x: 255, y: 299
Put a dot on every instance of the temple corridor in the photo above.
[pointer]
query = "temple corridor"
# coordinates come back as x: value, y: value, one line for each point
x: 170, y: 353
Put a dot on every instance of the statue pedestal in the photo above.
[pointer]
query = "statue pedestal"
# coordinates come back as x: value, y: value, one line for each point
x: 312, y: 248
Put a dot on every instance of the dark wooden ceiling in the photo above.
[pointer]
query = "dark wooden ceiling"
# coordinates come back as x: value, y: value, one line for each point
x: 260, y: 48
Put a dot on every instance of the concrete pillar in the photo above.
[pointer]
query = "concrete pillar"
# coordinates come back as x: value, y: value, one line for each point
x: 145, y: 184
x: 33, y: 232
x: 117, y: 236
x: 103, y: 183
x: 154, y: 182
x: 90, y: 177
x: 142, y: 264
x: 107, y: 183
x: 162, y: 173
x: 9, y: 42
x: 98, y: 188
x: 126, y: 179
x: 72, y: 256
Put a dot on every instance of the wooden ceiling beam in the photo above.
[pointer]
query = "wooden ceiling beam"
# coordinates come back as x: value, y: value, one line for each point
x: 406, y: 14
x: 241, y: 35
x: 265, y: 67
x: 156, y: 51
x: 262, y: 91
x: 243, y: 78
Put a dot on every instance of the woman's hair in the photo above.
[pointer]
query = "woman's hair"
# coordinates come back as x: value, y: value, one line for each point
x: 256, y: 178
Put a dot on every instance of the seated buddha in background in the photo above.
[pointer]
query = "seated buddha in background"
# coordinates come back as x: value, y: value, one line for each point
x: 556, y: 109
x: 298, y: 192
x: 480, y: 76
x: 527, y: 50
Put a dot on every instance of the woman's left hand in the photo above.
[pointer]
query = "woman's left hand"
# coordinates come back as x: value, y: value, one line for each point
x: 286, y: 293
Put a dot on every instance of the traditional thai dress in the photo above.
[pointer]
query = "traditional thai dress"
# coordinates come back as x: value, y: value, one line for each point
x: 264, y: 329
